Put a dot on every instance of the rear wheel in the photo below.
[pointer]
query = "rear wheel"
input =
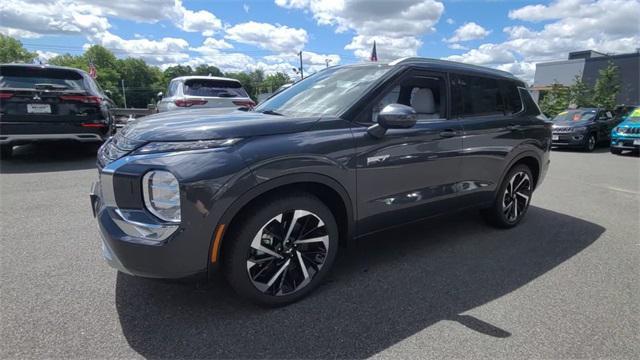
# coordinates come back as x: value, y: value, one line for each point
x: 513, y: 198
x: 281, y: 250
x: 6, y: 151
x: 590, y: 143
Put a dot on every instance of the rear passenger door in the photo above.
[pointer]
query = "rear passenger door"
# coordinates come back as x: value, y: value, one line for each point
x: 488, y: 109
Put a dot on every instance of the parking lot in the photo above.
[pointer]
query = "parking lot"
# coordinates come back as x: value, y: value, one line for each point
x: 563, y: 284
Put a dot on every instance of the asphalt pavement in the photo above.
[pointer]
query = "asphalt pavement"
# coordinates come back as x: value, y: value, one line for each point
x: 563, y: 284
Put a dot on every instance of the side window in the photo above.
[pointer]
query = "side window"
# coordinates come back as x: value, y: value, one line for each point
x: 511, y: 95
x: 477, y: 96
x: 173, y: 87
x: 424, y: 93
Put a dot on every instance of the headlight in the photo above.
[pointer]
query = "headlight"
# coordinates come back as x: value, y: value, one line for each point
x: 580, y: 129
x: 161, y: 193
x: 616, y: 129
x: 171, y: 146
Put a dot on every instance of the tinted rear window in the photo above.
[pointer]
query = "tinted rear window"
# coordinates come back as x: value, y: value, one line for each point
x: 215, y: 88
x: 511, y: 94
x: 478, y: 96
x: 28, y: 77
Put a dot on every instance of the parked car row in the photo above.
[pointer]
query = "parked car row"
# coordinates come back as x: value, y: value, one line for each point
x: 585, y: 128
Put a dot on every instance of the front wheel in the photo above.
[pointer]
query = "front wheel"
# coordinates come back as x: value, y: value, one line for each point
x: 281, y: 250
x: 512, y: 201
x: 590, y: 143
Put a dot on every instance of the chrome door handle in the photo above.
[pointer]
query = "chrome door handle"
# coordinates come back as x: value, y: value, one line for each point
x: 449, y: 133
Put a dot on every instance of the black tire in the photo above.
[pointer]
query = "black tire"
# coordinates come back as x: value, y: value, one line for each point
x: 500, y: 214
x: 590, y: 142
x: 6, y: 151
x: 615, y: 151
x: 245, y: 264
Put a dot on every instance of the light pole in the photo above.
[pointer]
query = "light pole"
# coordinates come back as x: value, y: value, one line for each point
x: 327, y: 61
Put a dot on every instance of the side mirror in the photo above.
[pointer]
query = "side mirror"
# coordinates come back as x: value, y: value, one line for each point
x: 393, y: 116
x: 159, y: 95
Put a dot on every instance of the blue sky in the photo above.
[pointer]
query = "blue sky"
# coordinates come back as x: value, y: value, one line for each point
x: 244, y: 35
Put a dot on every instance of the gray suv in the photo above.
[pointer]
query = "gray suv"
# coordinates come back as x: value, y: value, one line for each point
x: 270, y: 195
x: 197, y: 92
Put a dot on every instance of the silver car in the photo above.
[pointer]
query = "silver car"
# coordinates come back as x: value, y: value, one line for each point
x: 188, y: 92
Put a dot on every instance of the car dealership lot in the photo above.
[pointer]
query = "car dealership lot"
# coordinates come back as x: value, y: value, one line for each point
x: 563, y: 284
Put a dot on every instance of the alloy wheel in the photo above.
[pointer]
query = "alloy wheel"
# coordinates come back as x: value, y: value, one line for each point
x: 287, y: 252
x: 516, y: 196
x: 592, y: 142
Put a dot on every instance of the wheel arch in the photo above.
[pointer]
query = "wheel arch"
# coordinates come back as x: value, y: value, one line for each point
x: 328, y: 190
x: 529, y: 158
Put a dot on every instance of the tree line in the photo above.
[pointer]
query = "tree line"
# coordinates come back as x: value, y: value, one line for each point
x: 580, y: 95
x: 141, y: 81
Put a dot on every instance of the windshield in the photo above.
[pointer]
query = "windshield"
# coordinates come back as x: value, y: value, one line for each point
x: 576, y: 115
x: 328, y: 92
x: 29, y: 77
x: 634, y: 116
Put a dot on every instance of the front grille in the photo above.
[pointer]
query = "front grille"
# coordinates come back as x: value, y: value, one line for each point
x: 562, y: 129
x: 115, y: 148
x: 629, y: 130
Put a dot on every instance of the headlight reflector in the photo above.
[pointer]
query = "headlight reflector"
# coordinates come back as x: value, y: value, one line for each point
x: 161, y: 193
x: 170, y: 146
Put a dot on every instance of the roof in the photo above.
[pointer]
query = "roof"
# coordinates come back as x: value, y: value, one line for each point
x: 44, y: 66
x: 189, y: 77
x: 451, y: 65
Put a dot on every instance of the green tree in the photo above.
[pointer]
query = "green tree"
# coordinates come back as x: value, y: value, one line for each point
x: 11, y: 50
x: 176, y: 71
x: 580, y: 95
x: 207, y: 70
x: 272, y: 82
x: 554, y: 100
x: 607, y: 87
x: 142, y: 82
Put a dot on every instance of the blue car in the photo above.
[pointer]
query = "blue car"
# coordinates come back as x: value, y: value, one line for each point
x: 626, y: 136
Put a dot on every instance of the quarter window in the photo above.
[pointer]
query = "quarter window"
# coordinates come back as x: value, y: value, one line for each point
x: 511, y: 94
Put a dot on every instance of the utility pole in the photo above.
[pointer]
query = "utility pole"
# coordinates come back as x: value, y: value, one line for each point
x: 327, y: 61
x: 124, y: 94
x: 301, y: 71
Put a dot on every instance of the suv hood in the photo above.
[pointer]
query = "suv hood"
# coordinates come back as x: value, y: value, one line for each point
x: 208, y: 124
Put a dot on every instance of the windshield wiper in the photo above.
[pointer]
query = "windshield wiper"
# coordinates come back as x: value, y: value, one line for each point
x: 46, y: 86
x: 271, y: 112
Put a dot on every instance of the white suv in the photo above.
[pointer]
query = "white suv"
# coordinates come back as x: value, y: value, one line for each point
x: 187, y: 92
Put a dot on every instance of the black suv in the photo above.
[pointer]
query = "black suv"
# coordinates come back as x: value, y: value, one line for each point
x: 583, y: 128
x: 41, y: 102
x: 271, y: 194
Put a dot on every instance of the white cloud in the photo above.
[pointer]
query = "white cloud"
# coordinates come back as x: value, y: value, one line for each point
x: 267, y: 36
x: 450, y: 21
x: 44, y: 56
x: 395, y: 25
x: 167, y: 49
x: 195, y: 21
x: 571, y: 25
x: 246, y: 8
x: 468, y: 31
x: 456, y: 46
x: 18, y: 33
x: 211, y: 43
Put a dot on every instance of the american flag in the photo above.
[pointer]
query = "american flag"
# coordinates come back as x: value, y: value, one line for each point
x: 92, y: 71
x: 374, y: 53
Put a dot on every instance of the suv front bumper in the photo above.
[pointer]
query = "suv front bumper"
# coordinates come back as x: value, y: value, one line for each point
x: 568, y: 139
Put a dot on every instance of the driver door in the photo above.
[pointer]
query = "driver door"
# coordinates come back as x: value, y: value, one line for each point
x: 408, y: 174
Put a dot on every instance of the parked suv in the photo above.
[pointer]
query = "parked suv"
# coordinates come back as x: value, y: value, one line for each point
x: 43, y: 103
x: 204, y: 92
x: 270, y: 195
x: 583, y: 128
x: 626, y: 136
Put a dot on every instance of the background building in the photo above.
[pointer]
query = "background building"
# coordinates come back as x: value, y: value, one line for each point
x: 587, y: 64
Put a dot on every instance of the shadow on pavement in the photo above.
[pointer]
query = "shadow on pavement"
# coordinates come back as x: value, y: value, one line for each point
x: 50, y: 157
x: 392, y: 286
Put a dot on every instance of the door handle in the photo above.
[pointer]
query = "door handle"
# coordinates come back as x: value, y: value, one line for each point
x: 513, y: 127
x: 449, y: 133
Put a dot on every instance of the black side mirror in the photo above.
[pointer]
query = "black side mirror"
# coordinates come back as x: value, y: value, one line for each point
x: 393, y: 116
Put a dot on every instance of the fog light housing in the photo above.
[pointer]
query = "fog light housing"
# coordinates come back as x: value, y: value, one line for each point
x: 161, y: 193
